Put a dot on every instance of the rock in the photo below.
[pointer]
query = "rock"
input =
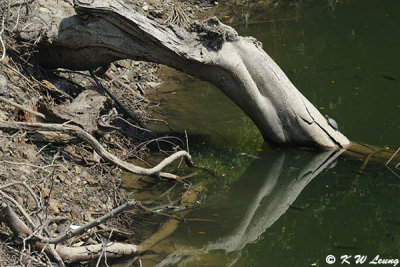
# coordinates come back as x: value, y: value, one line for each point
x: 153, y: 84
x: 87, y: 217
x: 84, y: 110
x: 78, y: 170
x: 77, y: 179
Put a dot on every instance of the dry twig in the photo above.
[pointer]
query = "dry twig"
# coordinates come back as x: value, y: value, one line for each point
x: 12, y: 103
x: 1, y: 39
x: 71, y: 233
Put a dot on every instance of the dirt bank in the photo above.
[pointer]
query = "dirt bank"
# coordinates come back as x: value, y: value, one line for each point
x: 58, y: 179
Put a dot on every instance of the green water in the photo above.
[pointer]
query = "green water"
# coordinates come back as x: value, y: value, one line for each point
x: 289, y: 207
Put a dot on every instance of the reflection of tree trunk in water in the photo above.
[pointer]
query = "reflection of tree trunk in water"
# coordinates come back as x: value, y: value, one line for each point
x: 286, y: 174
x: 108, y: 30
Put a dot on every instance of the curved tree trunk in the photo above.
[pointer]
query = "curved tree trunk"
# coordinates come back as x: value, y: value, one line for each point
x: 108, y: 30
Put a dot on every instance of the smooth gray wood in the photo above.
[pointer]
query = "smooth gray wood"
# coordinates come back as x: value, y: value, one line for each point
x: 109, y: 30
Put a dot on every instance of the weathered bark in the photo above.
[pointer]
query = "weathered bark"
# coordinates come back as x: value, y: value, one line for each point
x: 108, y: 30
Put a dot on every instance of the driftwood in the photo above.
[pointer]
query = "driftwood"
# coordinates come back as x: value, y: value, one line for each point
x: 77, y: 131
x: 64, y: 253
x: 67, y: 254
x: 109, y: 30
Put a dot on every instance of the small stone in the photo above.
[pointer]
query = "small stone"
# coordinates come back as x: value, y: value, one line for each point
x: 145, y: 7
x: 87, y: 217
x: 153, y: 84
x: 78, y: 169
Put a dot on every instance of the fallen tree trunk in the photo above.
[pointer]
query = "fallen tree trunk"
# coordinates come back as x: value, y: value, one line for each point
x: 109, y: 30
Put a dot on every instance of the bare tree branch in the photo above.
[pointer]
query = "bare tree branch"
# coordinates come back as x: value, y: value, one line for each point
x: 71, y: 233
x: 67, y: 254
x: 77, y: 131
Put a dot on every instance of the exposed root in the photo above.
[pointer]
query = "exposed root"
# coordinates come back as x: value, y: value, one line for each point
x: 75, y: 130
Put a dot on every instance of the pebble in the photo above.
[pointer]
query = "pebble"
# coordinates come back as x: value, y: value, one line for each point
x: 153, y: 84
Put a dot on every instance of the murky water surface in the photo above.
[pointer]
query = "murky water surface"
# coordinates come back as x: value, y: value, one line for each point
x: 289, y: 207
